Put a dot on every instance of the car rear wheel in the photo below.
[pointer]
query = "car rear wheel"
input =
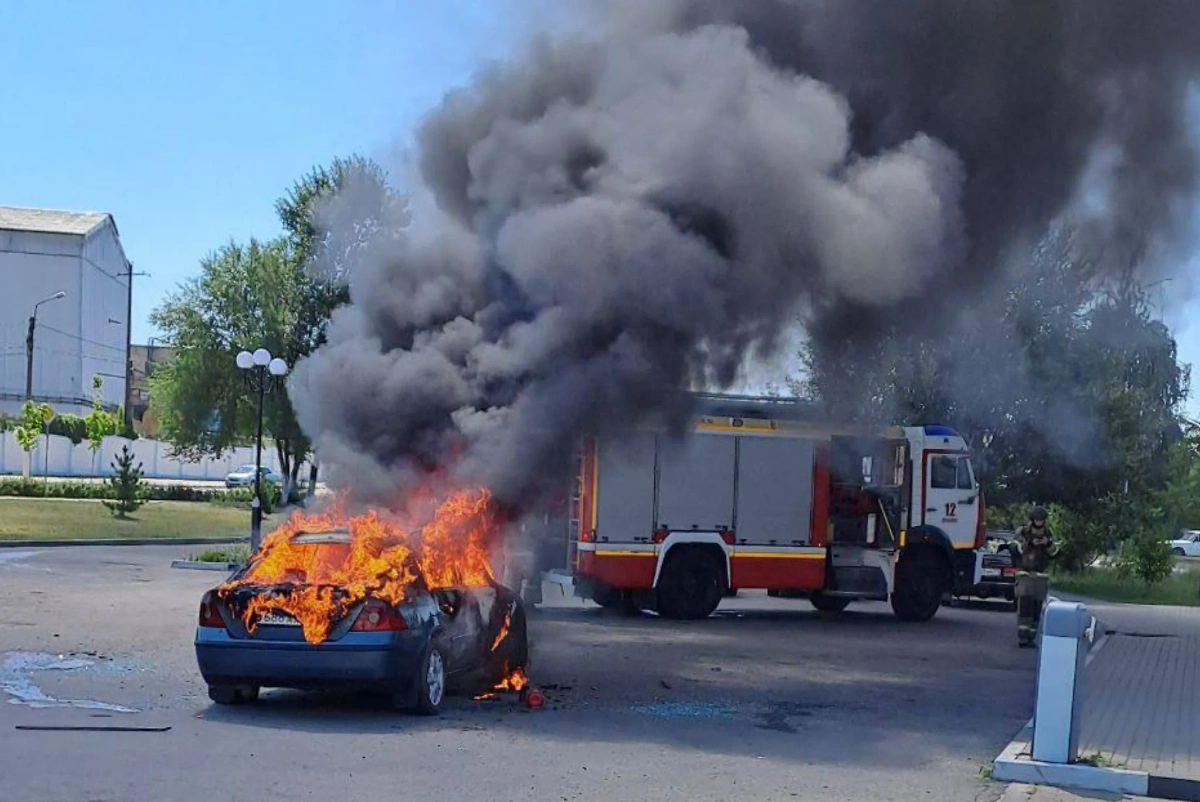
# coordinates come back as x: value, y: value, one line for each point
x: 431, y: 682
x: 233, y: 694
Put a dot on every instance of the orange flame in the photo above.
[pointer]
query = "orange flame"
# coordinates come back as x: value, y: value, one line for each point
x: 440, y: 542
x: 515, y: 681
x: 503, y: 633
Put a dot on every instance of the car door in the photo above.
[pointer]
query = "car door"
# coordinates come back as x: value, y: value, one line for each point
x: 461, y: 626
x: 1193, y: 549
x: 950, y: 496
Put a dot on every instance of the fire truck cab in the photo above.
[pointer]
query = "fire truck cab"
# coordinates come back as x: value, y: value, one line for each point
x: 761, y: 494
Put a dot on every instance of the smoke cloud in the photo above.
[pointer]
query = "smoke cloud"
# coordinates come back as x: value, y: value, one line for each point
x: 645, y: 206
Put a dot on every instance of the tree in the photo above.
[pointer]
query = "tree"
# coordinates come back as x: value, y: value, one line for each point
x: 35, y: 418
x: 100, y: 424
x: 1063, y: 380
x: 276, y: 295
x: 333, y: 217
x: 127, y: 484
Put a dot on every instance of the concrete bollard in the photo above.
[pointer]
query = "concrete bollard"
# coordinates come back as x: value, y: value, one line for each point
x: 1066, y: 633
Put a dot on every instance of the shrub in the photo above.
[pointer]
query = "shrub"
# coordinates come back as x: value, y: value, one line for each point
x: 126, y: 485
x: 18, y: 486
x: 1152, y: 557
x: 72, y: 427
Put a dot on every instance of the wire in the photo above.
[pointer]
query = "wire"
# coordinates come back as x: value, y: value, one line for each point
x: 83, y: 339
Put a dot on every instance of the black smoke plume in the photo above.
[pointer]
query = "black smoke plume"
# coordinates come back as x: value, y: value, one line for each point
x: 642, y: 206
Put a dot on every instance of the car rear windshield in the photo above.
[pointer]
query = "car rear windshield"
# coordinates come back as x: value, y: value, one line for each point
x: 319, y: 556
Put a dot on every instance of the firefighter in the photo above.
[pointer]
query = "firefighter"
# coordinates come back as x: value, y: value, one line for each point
x: 1036, y: 550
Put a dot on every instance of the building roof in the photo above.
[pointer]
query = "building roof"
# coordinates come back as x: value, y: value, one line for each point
x: 50, y: 221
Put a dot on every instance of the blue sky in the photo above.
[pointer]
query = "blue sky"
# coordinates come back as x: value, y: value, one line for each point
x: 187, y: 120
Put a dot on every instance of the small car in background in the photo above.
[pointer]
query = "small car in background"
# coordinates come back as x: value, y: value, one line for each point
x: 244, y: 477
x: 413, y: 653
x: 1188, y: 544
x: 996, y: 568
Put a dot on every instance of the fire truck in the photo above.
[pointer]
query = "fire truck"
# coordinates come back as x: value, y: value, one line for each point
x: 764, y: 494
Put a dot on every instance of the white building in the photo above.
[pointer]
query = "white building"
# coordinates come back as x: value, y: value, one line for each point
x: 83, y: 334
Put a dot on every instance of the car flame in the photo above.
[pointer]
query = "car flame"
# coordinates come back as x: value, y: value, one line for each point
x: 435, y: 541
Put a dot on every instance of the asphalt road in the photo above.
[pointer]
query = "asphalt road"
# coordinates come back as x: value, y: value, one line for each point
x: 767, y: 700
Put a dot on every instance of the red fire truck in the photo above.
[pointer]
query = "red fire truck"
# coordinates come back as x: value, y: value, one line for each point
x: 762, y: 494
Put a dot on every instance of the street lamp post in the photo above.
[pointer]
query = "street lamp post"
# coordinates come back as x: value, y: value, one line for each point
x: 262, y: 368
x: 29, y: 342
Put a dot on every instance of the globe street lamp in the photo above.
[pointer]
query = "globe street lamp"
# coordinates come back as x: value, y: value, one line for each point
x: 261, y: 369
x: 29, y: 342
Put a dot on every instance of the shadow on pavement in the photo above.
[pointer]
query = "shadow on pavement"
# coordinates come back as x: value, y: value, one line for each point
x: 786, y: 683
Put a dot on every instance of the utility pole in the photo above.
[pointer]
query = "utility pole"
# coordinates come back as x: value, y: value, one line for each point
x: 129, y: 274
x: 29, y: 343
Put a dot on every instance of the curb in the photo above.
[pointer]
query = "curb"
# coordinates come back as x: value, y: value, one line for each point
x: 196, y: 565
x: 1014, y: 764
x: 146, y: 541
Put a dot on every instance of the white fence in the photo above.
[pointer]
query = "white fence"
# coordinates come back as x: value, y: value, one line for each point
x: 63, y: 458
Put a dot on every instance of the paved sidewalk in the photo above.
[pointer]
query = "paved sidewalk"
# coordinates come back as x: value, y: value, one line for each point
x: 1141, y: 701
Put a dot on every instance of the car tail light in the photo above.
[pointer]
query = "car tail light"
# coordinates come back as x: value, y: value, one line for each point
x: 210, y: 616
x: 375, y: 616
x: 729, y: 537
x: 659, y: 535
x: 1010, y: 571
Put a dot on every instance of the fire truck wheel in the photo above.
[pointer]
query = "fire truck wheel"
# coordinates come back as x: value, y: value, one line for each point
x: 606, y: 596
x: 919, y: 583
x: 691, y: 585
x: 828, y: 604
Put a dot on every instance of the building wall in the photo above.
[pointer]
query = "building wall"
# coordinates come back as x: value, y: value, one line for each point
x: 103, y: 313
x: 74, y: 339
x: 34, y: 266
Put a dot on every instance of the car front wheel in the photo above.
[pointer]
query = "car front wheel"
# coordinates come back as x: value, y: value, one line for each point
x: 1177, y: 552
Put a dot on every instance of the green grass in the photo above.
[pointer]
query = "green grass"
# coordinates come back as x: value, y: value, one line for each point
x: 233, y: 554
x: 1103, y: 584
x: 61, y: 519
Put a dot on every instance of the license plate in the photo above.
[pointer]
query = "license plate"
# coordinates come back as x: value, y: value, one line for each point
x: 277, y: 620
x: 991, y: 572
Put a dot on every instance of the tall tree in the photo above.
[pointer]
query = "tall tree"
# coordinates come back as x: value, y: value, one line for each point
x: 246, y: 297
x: 1067, y: 386
x: 276, y: 295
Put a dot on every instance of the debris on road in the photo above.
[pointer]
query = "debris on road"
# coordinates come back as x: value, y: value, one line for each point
x: 86, y: 728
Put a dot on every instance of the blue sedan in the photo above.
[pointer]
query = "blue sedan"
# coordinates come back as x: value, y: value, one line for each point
x: 414, y: 653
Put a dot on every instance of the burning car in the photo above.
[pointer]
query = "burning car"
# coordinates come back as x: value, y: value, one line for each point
x: 378, y: 605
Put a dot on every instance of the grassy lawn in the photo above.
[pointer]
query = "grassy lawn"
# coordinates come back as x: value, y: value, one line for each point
x: 1101, y: 584
x: 60, y: 519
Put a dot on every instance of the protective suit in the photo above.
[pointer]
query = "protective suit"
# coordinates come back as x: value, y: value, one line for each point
x: 1037, y: 549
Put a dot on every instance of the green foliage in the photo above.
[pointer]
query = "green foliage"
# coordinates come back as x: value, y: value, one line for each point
x: 1109, y: 585
x: 276, y: 295
x: 1066, y: 384
x: 126, y: 485
x: 233, y: 554
x: 72, y: 427
x: 1152, y: 558
x: 21, y: 487
x: 34, y: 420
x: 99, y: 423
